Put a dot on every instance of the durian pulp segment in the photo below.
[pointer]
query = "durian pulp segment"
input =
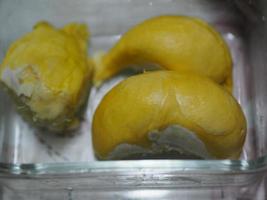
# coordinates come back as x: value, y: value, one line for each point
x: 156, y: 100
x: 179, y: 43
x: 48, y: 73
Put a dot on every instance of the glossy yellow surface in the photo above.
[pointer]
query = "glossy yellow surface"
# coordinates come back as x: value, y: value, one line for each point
x: 49, y: 71
x: 155, y: 100
x: 183, y: 44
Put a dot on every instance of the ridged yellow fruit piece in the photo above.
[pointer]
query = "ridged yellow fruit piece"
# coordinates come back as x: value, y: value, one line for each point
x: 183, y: 44
x: 156, y: 100
x: 48, y: 73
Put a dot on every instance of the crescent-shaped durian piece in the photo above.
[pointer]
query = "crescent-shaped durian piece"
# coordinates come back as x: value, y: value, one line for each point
x: 179, y: 43
x: 155, y: 101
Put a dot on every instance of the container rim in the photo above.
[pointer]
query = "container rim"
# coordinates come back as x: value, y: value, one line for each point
x: 179, y: 166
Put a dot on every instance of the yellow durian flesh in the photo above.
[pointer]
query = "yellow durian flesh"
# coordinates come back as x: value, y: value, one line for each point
x: 156, y: 100
x: 48, y: 73
x: 179, y: 43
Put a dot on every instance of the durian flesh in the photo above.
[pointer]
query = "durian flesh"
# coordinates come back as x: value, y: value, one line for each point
x: 48, y: 74
x: 179, y: 43
x: 155, y: 101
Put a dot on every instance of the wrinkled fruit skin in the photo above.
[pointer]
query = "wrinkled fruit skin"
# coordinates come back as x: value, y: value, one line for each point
x: 179, y: 43
x: 155, y: 100
x: 48, y: 73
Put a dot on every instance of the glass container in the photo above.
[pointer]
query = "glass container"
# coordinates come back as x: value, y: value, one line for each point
x: 37, y: 165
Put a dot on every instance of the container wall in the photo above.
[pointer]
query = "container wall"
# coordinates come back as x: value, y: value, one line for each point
x: 258, y: 49
x: 255, y: 13
x: 145, y: 185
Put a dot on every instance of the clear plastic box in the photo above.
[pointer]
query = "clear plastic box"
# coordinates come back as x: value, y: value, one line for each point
x: 36, y: 165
